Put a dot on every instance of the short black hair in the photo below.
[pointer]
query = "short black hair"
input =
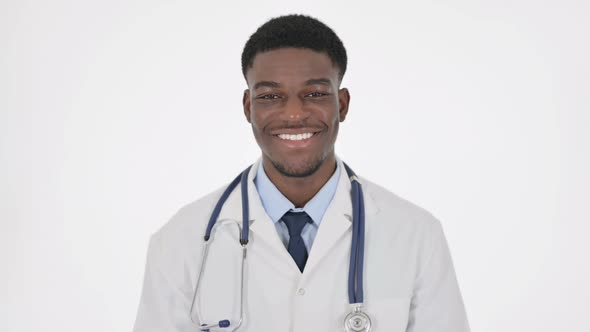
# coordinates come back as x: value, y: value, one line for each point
x: 299, y: 31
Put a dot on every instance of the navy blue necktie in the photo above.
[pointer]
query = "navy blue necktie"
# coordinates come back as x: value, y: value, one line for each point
x: 295, y: 222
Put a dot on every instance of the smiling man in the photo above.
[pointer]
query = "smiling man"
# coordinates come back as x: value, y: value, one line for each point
x: 304, y: 244
x: 295, y: 105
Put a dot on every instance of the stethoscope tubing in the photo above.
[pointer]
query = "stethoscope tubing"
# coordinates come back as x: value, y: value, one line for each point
x: 355, y: 271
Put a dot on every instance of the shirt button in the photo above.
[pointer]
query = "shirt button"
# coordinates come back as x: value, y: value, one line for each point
x: 301, y: 291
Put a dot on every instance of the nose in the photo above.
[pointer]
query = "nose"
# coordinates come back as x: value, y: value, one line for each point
x: 294, y: 110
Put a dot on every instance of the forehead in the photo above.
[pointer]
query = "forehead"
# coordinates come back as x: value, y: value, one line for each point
x: 291, y: 64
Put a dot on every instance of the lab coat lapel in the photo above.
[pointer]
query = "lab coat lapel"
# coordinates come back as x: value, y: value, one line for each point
x: 260, y: 222
x: 335, y: 223
x: 263, y: 232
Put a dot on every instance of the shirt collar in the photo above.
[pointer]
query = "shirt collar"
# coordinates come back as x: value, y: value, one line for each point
x: 276, y: 204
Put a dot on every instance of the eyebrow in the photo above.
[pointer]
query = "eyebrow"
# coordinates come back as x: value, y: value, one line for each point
x: 270, y: 84
x: 273, y: 84
x: 321, y: 81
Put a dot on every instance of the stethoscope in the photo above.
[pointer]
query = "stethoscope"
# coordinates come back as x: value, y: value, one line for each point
x: 357, y: 320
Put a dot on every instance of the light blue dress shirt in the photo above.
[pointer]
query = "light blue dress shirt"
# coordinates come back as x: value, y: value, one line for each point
x: 276, y: 205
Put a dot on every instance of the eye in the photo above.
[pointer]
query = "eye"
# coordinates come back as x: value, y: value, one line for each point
x: 269, y: 96
x: 316, y: 94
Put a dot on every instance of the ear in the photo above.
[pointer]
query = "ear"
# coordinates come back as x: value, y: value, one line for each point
x: 343, y: 101
x: 246, y: 104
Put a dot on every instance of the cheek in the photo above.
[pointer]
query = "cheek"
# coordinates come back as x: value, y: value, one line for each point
x: 336, y: 119
x: 332, y: 116
x: 331, y: 112
x: 260, y: 118
x: 258, y: 123
x: 257, y: 130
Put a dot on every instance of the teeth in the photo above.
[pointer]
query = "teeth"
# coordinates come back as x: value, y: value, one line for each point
x: 297, y: 137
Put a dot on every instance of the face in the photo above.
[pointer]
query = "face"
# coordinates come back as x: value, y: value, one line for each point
x: 294, y: 104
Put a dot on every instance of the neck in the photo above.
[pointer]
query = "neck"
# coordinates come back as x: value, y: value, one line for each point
x: 300, y: 190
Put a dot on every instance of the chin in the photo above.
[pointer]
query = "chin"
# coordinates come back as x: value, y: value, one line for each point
x: 299, y: 167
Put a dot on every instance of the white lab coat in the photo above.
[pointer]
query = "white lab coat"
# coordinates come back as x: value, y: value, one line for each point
x: 409, y: 279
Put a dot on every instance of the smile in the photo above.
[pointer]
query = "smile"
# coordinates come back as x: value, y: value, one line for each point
x: 296, y: 137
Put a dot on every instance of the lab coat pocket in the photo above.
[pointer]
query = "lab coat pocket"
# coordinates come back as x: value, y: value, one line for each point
x: 389, y: 314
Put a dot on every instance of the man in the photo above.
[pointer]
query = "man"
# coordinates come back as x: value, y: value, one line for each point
x: 296, y: 274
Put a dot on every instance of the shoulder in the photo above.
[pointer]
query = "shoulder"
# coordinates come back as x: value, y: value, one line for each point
x: 389, y: 201
x: 177, y: 244
x: 187, y: 224
x: 403, y: 222
x: 397, y: 210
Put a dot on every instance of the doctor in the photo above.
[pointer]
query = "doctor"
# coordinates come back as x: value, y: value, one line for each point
x: 295, y: 276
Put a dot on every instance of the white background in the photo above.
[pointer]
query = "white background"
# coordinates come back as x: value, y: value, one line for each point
x: 115, y: 114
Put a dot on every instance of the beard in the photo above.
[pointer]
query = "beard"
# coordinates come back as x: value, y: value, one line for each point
x: 302, y: 169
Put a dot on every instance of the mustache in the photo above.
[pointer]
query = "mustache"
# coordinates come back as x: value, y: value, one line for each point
x: 297, y: 125
x: 294, y: 129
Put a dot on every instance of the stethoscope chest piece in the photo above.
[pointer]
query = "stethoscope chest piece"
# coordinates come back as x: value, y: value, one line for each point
x: 357, y: 321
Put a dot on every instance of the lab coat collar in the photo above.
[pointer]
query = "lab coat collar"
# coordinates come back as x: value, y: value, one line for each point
x: 336, y: 221
x: 276, y: 204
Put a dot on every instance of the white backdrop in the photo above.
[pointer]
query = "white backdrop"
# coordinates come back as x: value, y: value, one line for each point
x: 115, y: 114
